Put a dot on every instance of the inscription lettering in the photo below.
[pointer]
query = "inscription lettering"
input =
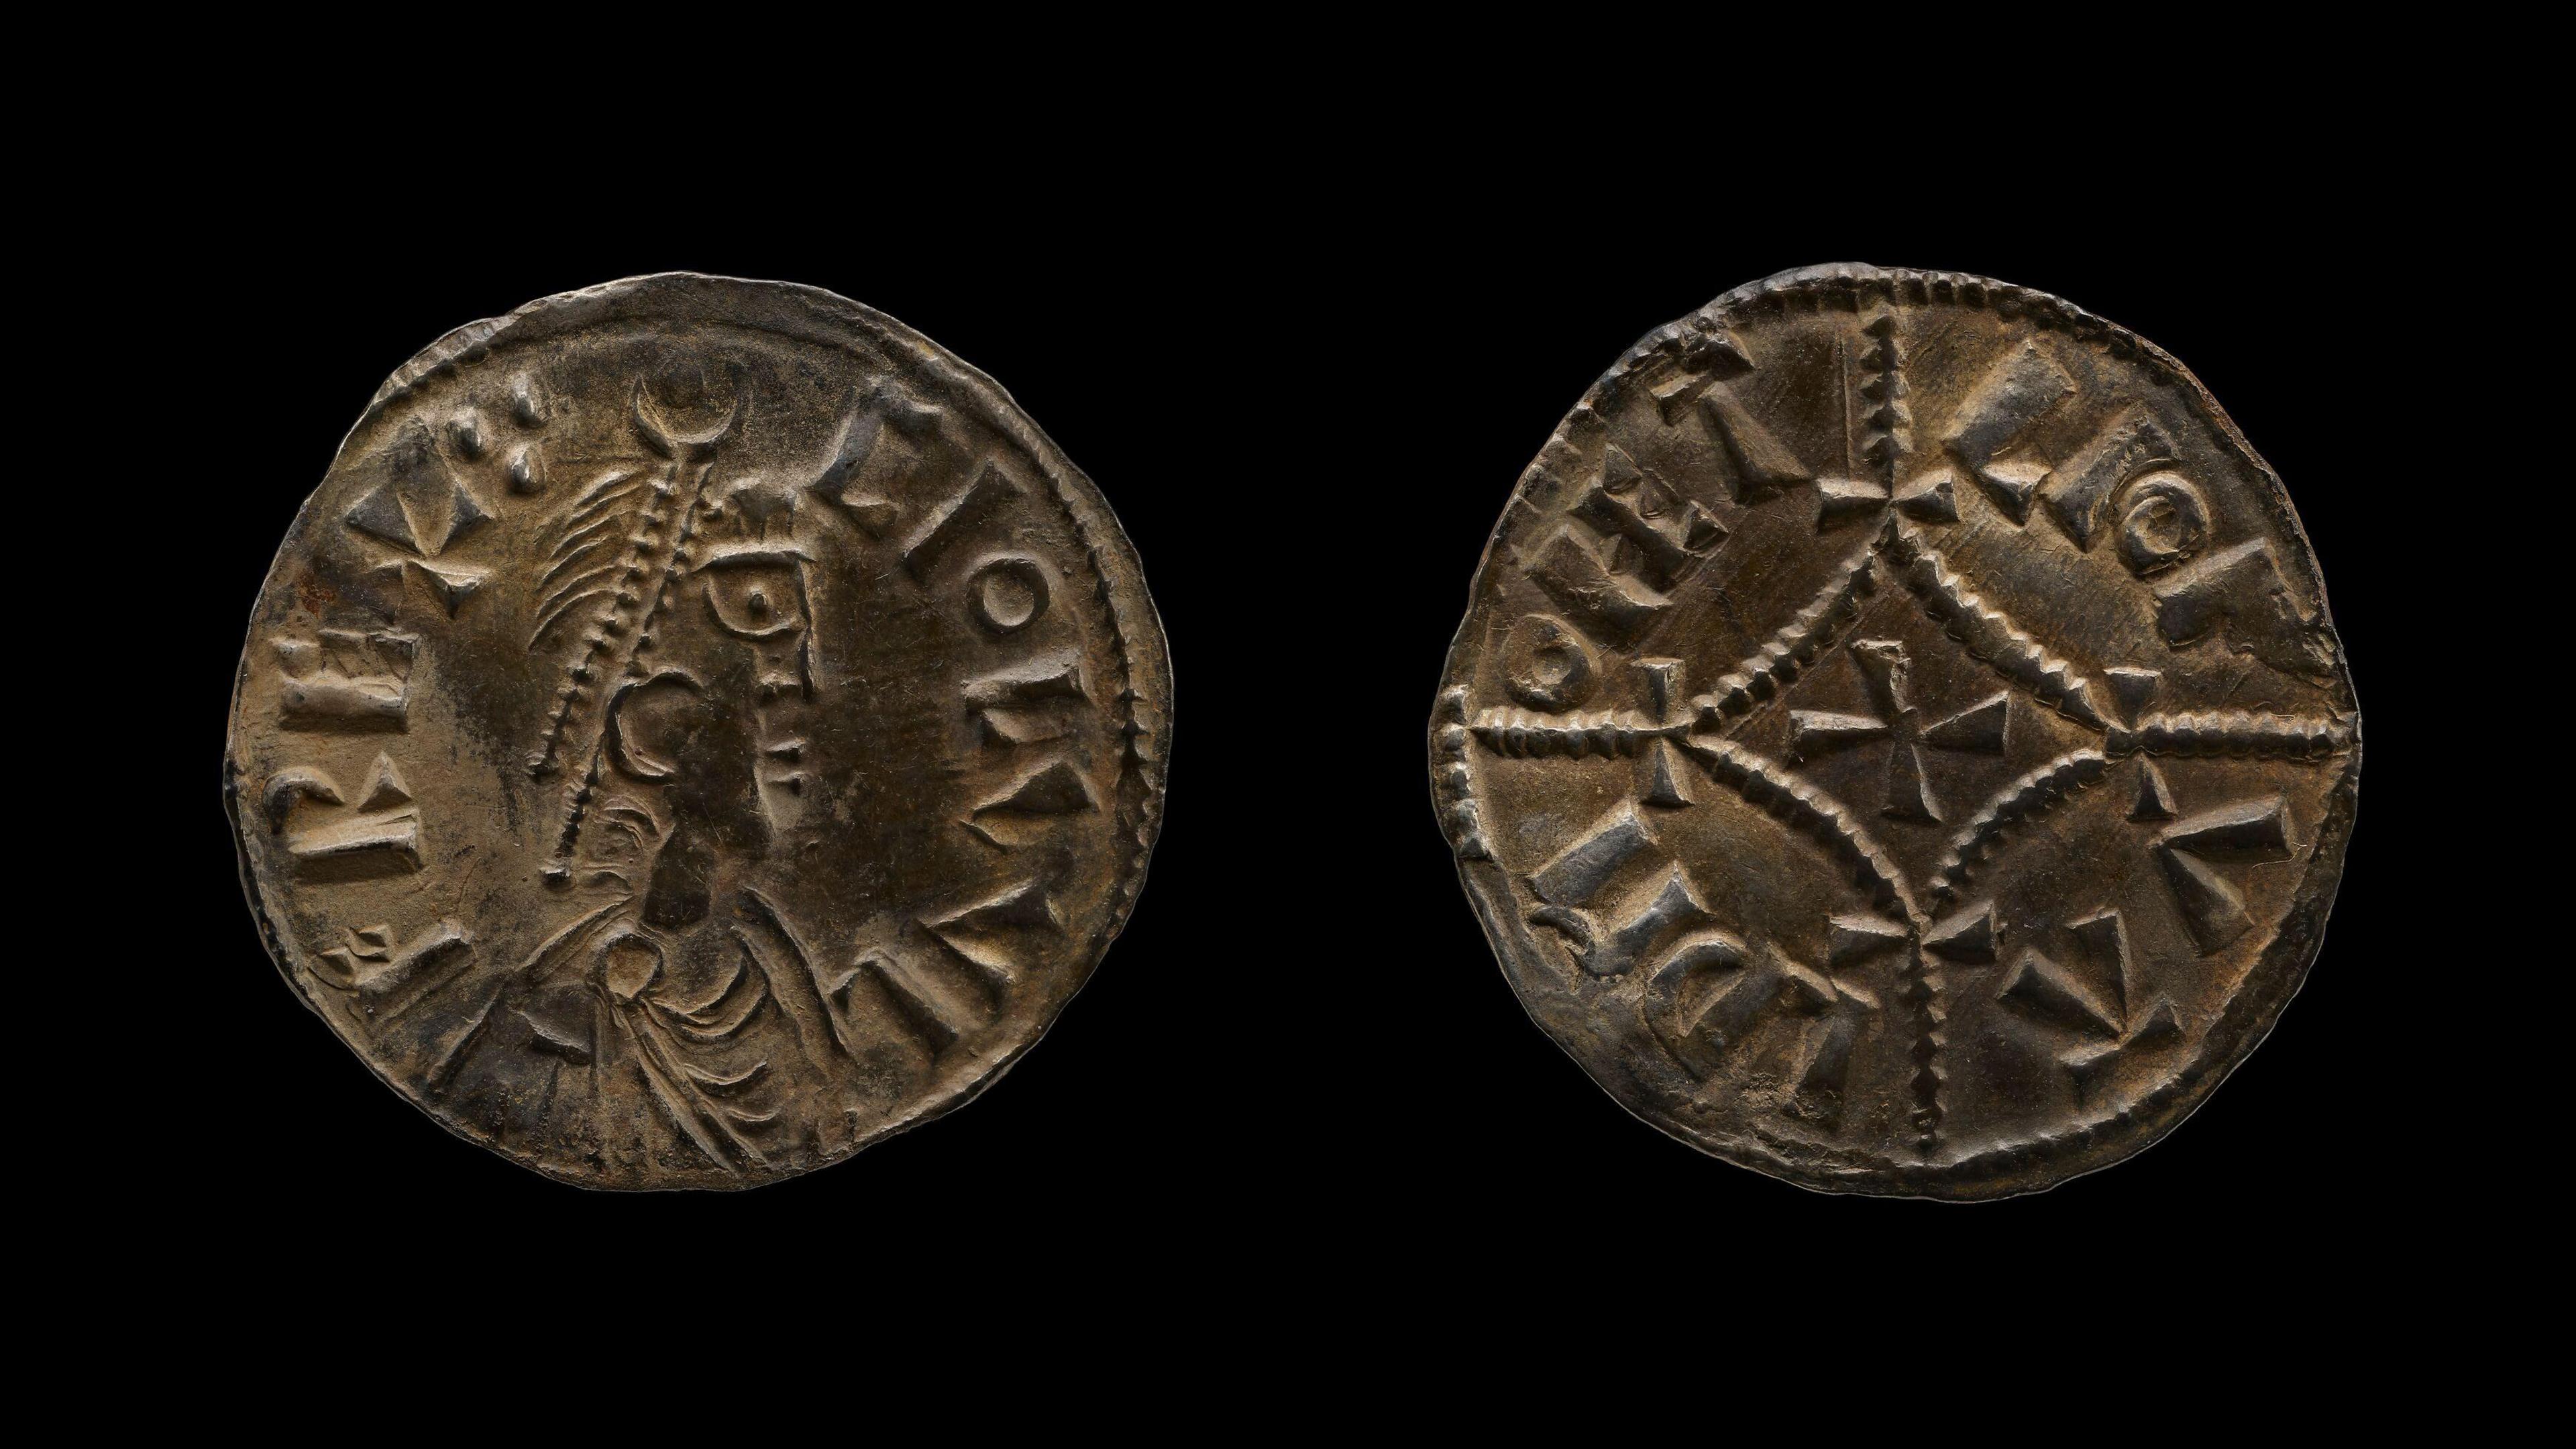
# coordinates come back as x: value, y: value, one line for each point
x: 380, y: 836
x: 2129, y: 444
x: 1006, y: 593
x: 347, y: 680
x: 2188, y: 851
x: 1547, y: 665
x: 1653, y: 536
x: 823, y: 695
x: 958, y: 517
x: 1616, y: 562
x: 2017, y: 391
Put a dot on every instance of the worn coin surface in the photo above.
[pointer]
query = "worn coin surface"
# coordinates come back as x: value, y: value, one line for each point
x: 698, y: 728
x: 1897, y: 741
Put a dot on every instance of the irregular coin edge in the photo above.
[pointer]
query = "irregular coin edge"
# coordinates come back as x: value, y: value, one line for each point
x: 1104, y: 540
x: 2272, y: 981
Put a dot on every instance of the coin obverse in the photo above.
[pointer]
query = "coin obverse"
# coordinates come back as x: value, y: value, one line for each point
x: 697, y: 729
x: 1897, y: 741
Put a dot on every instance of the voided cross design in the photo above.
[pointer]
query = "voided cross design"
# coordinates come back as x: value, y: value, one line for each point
x: 1622, y: 561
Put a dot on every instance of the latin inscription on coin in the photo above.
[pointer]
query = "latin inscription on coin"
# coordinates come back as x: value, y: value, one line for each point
x: 697, y: 728
x: 1897, y: 741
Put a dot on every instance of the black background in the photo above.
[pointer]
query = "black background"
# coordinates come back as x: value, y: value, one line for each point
x: 1307, y: 395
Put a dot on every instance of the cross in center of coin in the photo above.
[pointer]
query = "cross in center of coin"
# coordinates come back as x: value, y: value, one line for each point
x: 1883, y: 664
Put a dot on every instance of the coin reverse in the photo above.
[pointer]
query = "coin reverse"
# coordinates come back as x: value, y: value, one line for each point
x: 1897, y: 741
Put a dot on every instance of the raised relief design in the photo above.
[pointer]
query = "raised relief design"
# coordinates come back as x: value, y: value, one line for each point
x: 2131, y: 470
x: 937, y: 1014
x: 347, y: 680
x: 1566, y: 885
x: 981, y: 934
x: 1021, y: 704
x: 1631, y: 539
x: 2098, y: 1001
x: 378, y: 835
x: 1647, y: 734
x: 530, y: 407
x: 1006, y: 593
x: 1548, y: 666
x: 885, y: 438
x: 2190, y: 850
x: 2022, y: 386
x: 1454, y: 781
x: 1053, y: 788
x: 1624, y: 909
x: 952, y: 520
x: 2130, y: 444
x: 2238, y: 594
x: 1883, y: 665
x: 965, y: 981
x: 698, y: 729
x: 419, y: 507
x: 1706, y: 993
x: 1712, y: 999
x: 1760, y: 466
x: 694, y: 574
x: 386, y: 978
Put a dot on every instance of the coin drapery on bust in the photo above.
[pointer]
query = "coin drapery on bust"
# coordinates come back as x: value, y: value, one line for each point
x: 697, y: 728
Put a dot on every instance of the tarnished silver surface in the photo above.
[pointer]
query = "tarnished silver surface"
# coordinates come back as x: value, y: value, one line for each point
x: 1897, y: 741
x: 697, y: 728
